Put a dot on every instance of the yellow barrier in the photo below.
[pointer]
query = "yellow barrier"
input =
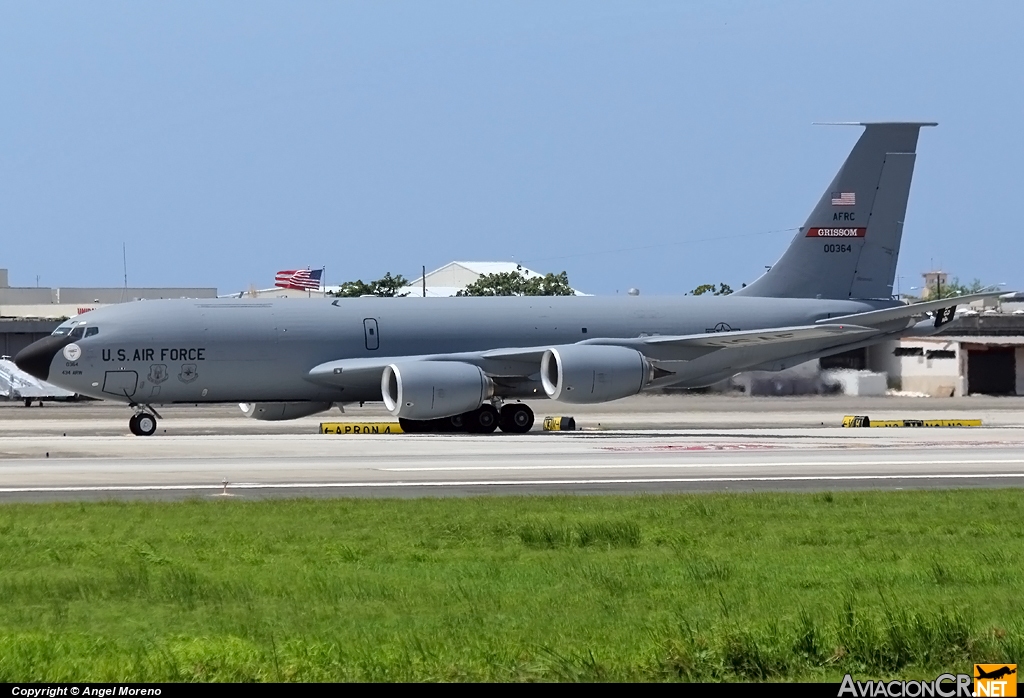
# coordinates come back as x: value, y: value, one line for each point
x: 852, y: 421
x: 360, y: 428
x: 926, y: 423
x: 559, y: 424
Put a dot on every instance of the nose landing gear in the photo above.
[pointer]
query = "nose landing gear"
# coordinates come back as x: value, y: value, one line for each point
x: 142, y: 423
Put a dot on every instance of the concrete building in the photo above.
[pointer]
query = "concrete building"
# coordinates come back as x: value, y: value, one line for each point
x: 981, y: 352
x: 934, y: 282
x: 16, y: 334
x: 976, y: 354
x: 65, y: 302
x: 28, y: 313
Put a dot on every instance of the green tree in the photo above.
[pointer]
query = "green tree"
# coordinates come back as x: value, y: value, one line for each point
x: 955, y: 288
x: 549, y: 285
x: 723, y: 290
x: 505, y: 283
x: 387, y: 286
x: 354, y: 289
x: 514, y: 283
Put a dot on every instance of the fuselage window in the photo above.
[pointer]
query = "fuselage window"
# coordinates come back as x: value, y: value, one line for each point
x: 90, y: 331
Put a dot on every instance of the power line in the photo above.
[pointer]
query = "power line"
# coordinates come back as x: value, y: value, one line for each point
x: 661, y: 244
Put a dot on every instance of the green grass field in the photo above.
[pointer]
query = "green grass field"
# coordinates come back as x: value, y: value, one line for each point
x: 708, y: 587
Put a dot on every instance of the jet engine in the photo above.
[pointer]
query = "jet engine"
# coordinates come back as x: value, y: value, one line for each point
x: 278, y: 411
x: 588, y: 373
x: 432, y: 389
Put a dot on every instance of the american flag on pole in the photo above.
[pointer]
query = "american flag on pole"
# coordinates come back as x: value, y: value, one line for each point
x: 301, y: 279
x: 844, y: 198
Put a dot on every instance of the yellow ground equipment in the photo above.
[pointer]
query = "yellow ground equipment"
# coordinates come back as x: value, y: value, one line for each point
x: 559, y: 424
x: 360, y: 428
x: 859, y: 421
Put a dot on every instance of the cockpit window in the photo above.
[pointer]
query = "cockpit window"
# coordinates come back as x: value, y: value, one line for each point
x: 77, y: 333
x: 90, y: 331
x: 63, y: 329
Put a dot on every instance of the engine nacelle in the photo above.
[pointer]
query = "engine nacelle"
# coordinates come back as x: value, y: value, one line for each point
x: 432, y: 389
x: 278, y: 411
x: 588, y: 373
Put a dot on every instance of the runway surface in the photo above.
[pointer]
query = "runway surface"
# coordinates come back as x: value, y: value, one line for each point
x: 84, y: 452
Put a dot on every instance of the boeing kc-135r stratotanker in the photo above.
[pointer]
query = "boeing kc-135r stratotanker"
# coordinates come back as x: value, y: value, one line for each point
x: 464, y: 363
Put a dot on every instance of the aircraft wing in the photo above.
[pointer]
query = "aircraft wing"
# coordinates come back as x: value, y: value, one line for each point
x: 525, y: 361
x: 709, y: 341
x: 513, y: 362
x: 750, y: 338
x: 872, y: 317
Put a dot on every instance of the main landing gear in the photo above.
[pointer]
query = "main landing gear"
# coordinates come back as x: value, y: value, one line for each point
x: 515, y: 418
x: 142, y: 423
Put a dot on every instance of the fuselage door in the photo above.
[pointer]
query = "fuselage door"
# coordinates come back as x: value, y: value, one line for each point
x: 370, y: 331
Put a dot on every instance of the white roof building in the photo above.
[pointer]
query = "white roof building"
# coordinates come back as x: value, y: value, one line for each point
x: 455, y: 276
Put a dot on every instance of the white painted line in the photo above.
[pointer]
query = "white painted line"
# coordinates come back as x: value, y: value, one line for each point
x: 706, y: 464
x: 499, y: 483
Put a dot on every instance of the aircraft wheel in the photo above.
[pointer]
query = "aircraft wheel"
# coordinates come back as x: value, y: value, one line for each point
x: 516, y: 418
x: 142, y: 424
x: 482, y: 420
x: 147, y: 424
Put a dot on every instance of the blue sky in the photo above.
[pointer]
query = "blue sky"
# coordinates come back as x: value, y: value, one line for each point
x: 656, y: 145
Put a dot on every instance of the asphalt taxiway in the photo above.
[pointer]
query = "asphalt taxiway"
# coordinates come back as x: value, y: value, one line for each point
x: 646, y: 444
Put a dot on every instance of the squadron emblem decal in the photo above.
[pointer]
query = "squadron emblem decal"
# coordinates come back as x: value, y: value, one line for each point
x: 158, y: 373
x: 188, y: 373
x: 72, y: 352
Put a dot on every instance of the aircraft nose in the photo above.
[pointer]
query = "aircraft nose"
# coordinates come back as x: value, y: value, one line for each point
x: 35, y: 359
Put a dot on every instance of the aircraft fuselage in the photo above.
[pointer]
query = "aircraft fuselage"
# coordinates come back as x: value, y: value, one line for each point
x: 241, y: 350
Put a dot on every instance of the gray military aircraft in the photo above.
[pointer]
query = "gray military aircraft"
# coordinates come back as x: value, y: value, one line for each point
x: 464, y: 363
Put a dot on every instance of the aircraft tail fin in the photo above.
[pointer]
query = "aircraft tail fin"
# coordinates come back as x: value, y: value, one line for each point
x: 849, y: 244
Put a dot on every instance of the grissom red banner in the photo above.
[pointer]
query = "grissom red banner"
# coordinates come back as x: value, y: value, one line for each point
x: 837, y: 232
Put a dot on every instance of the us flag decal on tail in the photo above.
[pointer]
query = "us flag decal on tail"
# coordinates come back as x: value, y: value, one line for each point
x: 844, y: 198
